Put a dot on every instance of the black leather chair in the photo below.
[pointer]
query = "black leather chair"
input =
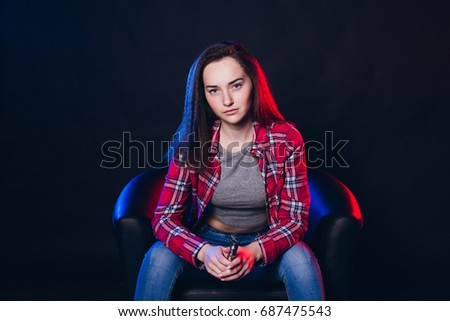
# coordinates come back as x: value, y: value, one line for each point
x: 334, y: 225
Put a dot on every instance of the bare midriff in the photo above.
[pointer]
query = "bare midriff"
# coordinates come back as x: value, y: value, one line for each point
x: 218, y: 225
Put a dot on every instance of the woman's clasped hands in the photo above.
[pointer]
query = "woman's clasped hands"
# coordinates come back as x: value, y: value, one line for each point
x: 217, y: 264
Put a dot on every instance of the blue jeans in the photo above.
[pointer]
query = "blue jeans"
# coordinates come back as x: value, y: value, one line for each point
x: 297, y: 268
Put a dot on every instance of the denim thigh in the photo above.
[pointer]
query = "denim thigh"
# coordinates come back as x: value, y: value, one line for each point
x: 159, y: 272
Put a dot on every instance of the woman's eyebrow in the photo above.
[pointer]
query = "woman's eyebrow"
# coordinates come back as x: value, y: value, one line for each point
x: 230, y: 83
x: 237, y: 79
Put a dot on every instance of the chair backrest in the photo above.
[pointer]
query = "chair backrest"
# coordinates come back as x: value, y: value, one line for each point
x: 329, y: 196
x: 140, y: 196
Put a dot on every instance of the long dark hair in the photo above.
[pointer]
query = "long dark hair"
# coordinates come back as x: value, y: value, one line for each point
x: 192, y: 138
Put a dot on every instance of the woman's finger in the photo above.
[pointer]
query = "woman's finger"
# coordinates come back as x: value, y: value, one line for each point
x: 231, y: 271
x: 224, y: 261
x: 236, y: 262
x: 236, y: 274
x: 213, y: 270
x: 241, y: 272
x: 215, y: 262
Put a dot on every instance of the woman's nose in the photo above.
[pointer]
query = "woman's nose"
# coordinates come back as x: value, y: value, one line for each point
x: 227, y: 99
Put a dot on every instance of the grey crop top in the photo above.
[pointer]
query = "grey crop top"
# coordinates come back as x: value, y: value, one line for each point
x: 240, y: 198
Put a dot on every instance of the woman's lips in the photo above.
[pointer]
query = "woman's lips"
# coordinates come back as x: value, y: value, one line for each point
x: 231, y: 111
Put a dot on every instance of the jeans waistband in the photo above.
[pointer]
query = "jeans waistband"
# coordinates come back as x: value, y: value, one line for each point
x: 217, y: 237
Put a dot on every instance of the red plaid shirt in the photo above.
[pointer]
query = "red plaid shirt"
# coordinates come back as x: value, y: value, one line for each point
x: 281, y: 160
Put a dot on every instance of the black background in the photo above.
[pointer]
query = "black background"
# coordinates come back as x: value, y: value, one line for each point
x: 75, y: 75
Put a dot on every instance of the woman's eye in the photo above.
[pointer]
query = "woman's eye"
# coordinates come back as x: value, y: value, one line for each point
x: 213, y: 91
x: 237, y: 86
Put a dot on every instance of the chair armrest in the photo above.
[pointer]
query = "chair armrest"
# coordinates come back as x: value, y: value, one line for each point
x: 335, y: 223
x: 132, y: 222
x: 134, y: 237
x: 334, y: 244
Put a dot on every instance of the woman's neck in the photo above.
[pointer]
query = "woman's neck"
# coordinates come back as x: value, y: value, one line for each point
x: 236, y: 134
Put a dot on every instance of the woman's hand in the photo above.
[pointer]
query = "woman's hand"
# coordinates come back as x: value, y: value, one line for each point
x: 243, y: 263
x: 214, y: 258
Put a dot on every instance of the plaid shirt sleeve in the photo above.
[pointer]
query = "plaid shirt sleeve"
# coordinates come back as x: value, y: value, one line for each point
x: 288, y: 220
x: 168, y: 219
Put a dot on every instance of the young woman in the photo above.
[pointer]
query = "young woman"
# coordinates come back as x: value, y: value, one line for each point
x: 244, y: 167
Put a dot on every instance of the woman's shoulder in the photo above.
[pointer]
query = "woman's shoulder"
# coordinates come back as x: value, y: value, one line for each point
x: 287, y: 131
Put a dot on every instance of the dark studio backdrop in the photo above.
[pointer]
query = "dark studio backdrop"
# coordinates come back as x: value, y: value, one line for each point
x: 75, y: 75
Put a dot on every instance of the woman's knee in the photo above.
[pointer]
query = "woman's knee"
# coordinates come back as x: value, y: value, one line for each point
x: 299, y: 254
x: 159, y: 256
x: 301, y: 274
x: 159, y: 271
x: 300, y: 261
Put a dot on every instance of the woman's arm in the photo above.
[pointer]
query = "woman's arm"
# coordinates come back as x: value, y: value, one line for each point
x: 168, y: 219
x: 289, y: 222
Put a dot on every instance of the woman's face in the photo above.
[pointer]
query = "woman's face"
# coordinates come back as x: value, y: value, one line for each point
x: 228, y: 90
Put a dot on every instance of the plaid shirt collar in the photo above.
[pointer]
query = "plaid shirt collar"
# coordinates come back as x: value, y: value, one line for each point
x: 261, y: 143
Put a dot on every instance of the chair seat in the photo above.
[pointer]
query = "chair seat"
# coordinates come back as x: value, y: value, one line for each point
x: 215, y: 290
